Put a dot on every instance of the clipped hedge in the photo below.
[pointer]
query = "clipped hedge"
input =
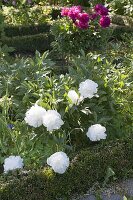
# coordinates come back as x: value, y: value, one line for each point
x: 87, y: 167
x: 119, y: 30
x: 12, y: 31
x: 29, y: 43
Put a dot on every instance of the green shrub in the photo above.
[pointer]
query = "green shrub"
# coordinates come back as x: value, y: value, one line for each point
x: 12, y: 31
x: 87, y: 167
x: 29, y: 43
x: 119, y: 31
x: 70, y: 40
x: 32, y: 38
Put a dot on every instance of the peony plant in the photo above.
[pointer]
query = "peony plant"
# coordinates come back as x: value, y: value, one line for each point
x: 79, y: 29
x: 57, y: 111
x: 61, y: 112
x: 54, y: 124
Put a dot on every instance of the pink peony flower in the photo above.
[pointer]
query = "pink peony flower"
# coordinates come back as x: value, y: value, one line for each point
x: 83, y: 17
x: 81, y: 25
x: 101, y: 10
x: 79, y: 8
x: 74, y: 12
x: 64, y: 11
x: 104, y: 21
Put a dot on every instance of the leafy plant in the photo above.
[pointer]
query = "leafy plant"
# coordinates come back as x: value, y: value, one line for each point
x: 69, y: 39
x: 27, y: 82
x: 113, y: 107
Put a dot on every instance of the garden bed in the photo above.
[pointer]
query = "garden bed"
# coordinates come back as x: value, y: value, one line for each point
x: 87, y: 167
x: 55, y: 107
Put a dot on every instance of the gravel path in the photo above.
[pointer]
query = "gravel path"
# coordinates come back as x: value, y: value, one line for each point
x: 116, y: 192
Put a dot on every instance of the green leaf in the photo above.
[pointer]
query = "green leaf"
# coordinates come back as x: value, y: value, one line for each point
x: 110, y: 173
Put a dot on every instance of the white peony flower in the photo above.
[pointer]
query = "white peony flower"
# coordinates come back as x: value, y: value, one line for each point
x: 96, y: 132
x: 59, y: 162
x: 88, y: 88
x: 73, y: 96
x: 34, y: 116
x: 52, y: 120
x: 12, y: 163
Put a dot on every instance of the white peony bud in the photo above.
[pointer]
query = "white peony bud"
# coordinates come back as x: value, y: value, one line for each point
x: 34, y: 116
x: 73, y: 96
x: 88, y: 88
x: 59, y: 162
x: 52, y: 120
x: 96, y: 132
x: 12, y: 163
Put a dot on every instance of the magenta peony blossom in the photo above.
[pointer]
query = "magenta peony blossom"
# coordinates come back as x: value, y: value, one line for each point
x: 98, y: 7
x: 83, y: 17
x: 81, y: 25
x: 64, y: 11
x: 74, y: 12
x: 101, y: 10
x: 104, y: 21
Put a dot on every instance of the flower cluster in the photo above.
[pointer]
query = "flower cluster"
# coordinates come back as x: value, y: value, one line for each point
x: 87, y: 89
x: 102, y: 11
x: 37, y: 116
x: 51, y: 119
x: 81, y: 19
x: 76, y: 14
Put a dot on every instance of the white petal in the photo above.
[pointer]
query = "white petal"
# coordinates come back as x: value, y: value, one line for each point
x: 34, y: 116
x: 96, y: 132
x: 52, y: 120
x: 59, y: 162
x: 88, y: 88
